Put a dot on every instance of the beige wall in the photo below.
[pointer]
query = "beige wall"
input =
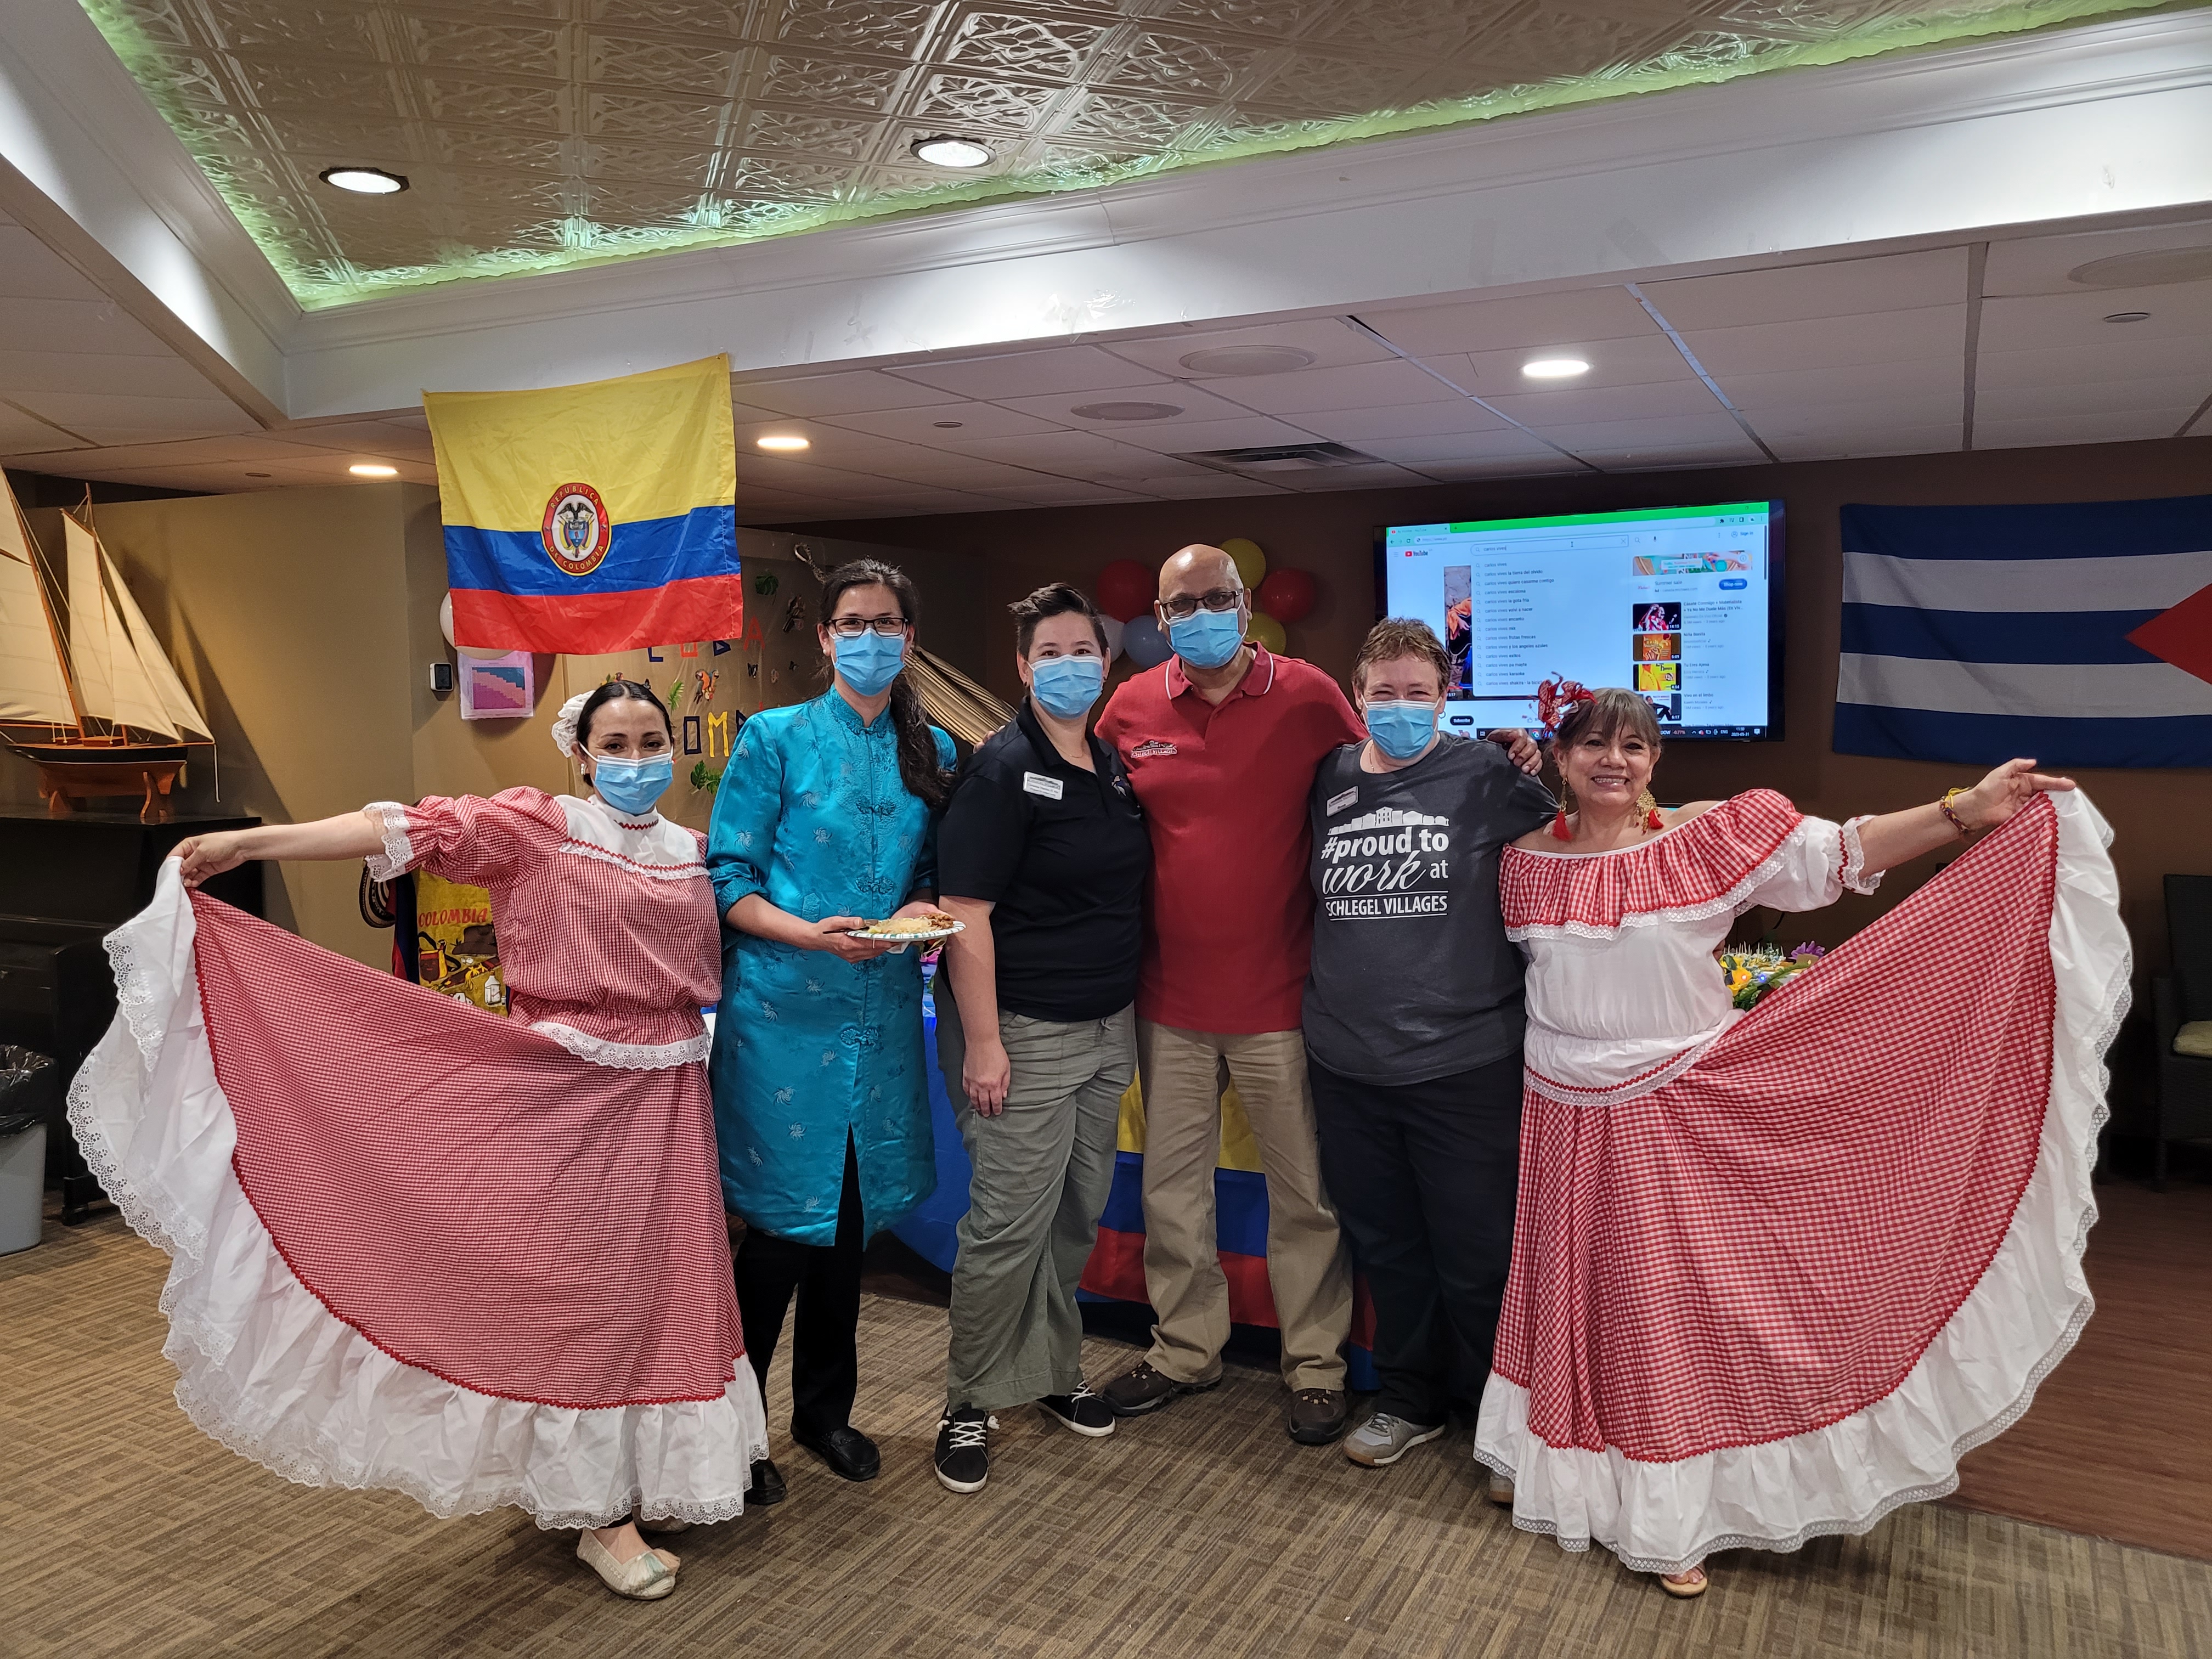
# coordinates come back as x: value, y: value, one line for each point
x: 2163, y: 819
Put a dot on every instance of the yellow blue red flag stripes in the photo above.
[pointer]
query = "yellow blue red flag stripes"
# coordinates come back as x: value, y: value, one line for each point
x: 594, y: 518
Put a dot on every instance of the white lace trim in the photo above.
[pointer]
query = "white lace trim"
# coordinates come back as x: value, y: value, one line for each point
x: 657, y: 871
x: 1737, y: 899
x: 398, y: 857
x: 1617, y: 1094
x: 626, y: 1056
x: 1854, y: 873
x: 268, y: 1372
x: 1977, y: 1377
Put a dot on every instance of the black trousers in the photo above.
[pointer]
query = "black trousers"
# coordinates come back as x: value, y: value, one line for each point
x: 825, y: 1360
x: 1425, y: 1177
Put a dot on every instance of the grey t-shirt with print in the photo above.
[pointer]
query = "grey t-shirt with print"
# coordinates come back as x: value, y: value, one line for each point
x: 1413, y: 976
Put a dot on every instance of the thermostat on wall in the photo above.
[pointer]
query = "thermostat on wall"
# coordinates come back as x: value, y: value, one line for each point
x: 441, y: 677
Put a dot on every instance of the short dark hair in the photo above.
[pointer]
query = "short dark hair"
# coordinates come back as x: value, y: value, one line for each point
x: 1054, y: 599
x: 617, y: 690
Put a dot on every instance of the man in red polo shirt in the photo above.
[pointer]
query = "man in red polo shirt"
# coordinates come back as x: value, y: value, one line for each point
x: 1221, y: 743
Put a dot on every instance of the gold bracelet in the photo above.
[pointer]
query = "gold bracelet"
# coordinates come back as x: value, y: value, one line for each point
x: 1944, y: 807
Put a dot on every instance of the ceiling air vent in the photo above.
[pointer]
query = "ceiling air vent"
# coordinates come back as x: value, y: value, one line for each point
x: 1281, y: 457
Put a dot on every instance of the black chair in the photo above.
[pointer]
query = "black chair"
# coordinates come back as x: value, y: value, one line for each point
x: 2184, y: 1081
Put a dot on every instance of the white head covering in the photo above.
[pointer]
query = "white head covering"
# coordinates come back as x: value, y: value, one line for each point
x: 564, y: 723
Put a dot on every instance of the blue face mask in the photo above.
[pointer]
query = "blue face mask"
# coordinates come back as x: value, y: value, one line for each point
x: 1401, y: 729
x: 869, y: 663
x: 1206, y: 639
x: 1065, y: 686
x: 631, y: 787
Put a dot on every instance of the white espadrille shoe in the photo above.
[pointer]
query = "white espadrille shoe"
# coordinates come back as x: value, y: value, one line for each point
x: 646, y: 1577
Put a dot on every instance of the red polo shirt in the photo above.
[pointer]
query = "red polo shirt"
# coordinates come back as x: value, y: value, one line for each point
x: 1229, y: 911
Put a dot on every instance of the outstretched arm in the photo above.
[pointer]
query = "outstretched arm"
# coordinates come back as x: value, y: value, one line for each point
x: 1894, y: 837
x: 349, y: 836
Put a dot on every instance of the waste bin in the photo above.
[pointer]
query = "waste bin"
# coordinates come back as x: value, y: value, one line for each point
x: 30, y: 1092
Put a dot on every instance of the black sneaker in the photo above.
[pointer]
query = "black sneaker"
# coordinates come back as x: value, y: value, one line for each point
x: 1086, y: 1412
x: 963, y: 1452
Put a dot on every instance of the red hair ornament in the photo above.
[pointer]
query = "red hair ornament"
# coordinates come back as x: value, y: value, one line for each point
x: 1556, y: 698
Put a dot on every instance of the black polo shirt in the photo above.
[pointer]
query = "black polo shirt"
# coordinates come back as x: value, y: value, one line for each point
x: 1062, y: 854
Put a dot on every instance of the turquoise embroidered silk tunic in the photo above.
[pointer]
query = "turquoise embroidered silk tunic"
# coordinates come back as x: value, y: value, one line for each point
x: 809, y: 1048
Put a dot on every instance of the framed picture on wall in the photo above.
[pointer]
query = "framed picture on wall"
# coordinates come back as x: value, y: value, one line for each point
x: 497, y: 687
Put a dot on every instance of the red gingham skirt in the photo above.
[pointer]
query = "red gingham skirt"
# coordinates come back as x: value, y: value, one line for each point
x: 467, y: 1195
x: 1767, y: 1245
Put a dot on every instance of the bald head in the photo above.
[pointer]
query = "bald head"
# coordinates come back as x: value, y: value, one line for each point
x: 1198, y: 569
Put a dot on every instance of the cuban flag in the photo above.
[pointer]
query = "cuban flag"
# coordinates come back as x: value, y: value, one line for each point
x: 594, y: 518
x: 2078, y: 635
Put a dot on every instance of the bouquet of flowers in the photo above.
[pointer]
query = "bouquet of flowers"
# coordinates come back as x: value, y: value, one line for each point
x: 1751, y: 971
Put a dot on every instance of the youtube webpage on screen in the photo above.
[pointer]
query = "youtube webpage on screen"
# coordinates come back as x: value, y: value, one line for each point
x: 1675, y: 602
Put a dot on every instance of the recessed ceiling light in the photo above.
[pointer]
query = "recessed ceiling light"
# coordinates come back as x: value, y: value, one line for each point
x: 1247, y: 360
x: 945, y: 426
x: 1554, y: 368
x: 941, y: 151
x: 1125, y: 411
x: 781, y: 442
x: 2128, y: 316
x: 372, y: 470
x: 364, y: 181
x: 2147, y: 266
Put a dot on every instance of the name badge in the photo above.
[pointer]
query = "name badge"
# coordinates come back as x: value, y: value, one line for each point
x: 1338, y: 803
x: 1037, y: 784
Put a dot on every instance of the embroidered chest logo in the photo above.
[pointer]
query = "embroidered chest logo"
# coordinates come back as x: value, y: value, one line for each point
x: 576, y: 531
x: 1151, y: 748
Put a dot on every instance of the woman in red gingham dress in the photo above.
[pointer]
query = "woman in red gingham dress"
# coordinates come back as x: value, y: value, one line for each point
x: 1773, y: 1272
x: 479, y: 1261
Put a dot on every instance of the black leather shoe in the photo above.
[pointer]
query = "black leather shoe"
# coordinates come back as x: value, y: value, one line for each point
x: 768, y: 1486
x: 846, y: 1451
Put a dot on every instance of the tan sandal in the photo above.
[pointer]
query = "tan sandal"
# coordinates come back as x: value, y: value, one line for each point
x: 1683, y: 1587
x: 646, y: 1577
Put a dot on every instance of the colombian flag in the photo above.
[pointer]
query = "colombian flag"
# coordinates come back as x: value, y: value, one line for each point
x: 594, y: 518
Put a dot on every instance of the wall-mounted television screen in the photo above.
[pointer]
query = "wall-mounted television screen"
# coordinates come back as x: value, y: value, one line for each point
x: 1683, y: 604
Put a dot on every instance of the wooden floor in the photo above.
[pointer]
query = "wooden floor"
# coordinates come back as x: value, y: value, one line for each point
x: 1203, y: 1530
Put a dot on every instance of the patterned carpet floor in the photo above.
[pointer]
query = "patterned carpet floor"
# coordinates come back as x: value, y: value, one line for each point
x: 1202, y: 1530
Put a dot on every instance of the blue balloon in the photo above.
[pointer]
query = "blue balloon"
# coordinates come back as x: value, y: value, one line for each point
x: 1147, y: 646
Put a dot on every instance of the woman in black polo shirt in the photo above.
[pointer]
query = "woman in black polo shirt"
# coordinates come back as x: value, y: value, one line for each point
x: 1044, y: 854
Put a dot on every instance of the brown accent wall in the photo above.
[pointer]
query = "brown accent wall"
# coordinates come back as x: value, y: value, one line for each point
x: 2162, y: 819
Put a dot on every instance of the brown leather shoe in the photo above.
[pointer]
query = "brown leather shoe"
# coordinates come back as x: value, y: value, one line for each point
x: 1318, y: 1416
x: 1142, y: 1389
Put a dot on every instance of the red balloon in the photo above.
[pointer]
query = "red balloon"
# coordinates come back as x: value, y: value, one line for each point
x: 1287, y: 595
x: 1125, y: 589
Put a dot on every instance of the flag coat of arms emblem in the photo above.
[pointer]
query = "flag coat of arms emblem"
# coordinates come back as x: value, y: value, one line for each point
x: 594, y: 518
x: 2077, y: 635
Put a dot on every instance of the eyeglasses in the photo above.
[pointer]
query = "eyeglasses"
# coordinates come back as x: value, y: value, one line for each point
x: 851, y: 627
x: 1184, y: 605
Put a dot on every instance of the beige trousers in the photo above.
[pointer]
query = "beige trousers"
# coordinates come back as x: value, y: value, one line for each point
x: 1308, y: 1270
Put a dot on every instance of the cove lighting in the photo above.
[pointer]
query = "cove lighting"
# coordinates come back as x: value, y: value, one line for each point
x: 364, y: 181
x: 941, y: 151
x: 782, y: 443
x: 1554, y: 368
x: 372, y: 470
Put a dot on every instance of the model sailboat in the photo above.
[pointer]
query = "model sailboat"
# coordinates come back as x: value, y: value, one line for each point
x: 86, y: 692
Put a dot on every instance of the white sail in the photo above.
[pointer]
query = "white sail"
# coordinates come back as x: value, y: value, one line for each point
x: 180, y: 713
x: 31, y: 684
x: 134, y: 699
x: 90, y: 654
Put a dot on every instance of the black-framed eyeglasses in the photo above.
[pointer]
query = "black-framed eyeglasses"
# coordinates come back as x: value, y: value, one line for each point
x: 1188, y: 604
x: 851, y: 627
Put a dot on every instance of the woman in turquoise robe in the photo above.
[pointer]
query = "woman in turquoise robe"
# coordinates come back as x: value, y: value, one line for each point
x: 821, y: 1095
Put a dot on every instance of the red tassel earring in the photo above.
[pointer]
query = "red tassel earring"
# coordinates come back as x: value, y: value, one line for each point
x: 1559, y: 829
x: 1651, y: 806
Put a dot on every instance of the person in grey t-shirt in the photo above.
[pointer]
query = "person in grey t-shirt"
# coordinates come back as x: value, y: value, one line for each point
x: 1412, y: 1025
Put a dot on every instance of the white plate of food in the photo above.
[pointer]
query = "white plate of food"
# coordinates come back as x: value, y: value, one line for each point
x: 899, y: 931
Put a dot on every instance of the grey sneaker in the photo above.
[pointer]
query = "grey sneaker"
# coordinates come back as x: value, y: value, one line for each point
x: 1383, y: 1439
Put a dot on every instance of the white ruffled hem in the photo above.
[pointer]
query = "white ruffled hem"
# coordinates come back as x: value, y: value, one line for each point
x: 1975, y: 1379
x: 267, y: 1371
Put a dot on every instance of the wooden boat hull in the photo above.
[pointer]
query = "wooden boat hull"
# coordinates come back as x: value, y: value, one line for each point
x: 70, y: 772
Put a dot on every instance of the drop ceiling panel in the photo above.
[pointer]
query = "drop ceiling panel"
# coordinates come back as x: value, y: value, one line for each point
x: 922, y: 425
x: 32, y: 375
x: 1847, y: 383
x: 130, y: 420
x: 1332, y: 344
x: 1357, y: 427
x: 378, y: 437
x: 2122, y: 359
x: 1685, y: 395
x: 1637, y: 359
x: 29, y: 270
x: 1713, y: 427
x: 2179, y: 311
x: 1547, y: 462
x: 1208, y: 487
x: 2038, y: 264
x: 1540, y: 320
x: 1357, y: 385
x: 90, y: 327
x: 1322, y: 479
x: 23, y: 435
x: 2076, y: 427
x: 1181, y: 437
x: 1081, y: 455
x: 802, y: 478
x: 1884, y: 337
x: 1843, y: 442
x: 1842, y: 287
x: 854, y: 391
x: 1032, y: 374
x: 2172, y: 397
x: 1068, y: 492
x: 1195, y: 403
x: 1926, y: 409
x: 1503, y: 443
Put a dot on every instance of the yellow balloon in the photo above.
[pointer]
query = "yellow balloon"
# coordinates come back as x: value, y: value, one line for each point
x: 1251, y: 563
x: 1264, y: 629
